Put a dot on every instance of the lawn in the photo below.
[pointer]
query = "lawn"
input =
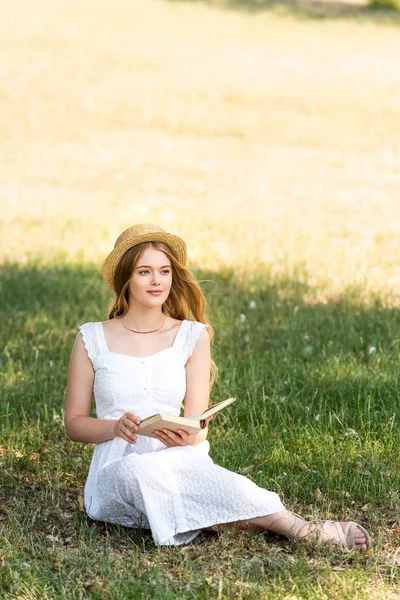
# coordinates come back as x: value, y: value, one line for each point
x: 268, y: 137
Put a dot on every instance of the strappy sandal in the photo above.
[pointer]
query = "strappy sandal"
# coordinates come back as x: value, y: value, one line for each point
x: 347, y: 533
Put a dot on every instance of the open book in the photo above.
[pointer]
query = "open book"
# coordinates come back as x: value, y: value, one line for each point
x: 191, y: 424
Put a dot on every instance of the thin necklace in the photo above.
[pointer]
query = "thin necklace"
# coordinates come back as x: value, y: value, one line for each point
x: 152, y: 331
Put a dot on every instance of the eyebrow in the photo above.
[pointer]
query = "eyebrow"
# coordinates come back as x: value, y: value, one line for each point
x: 150, y: 267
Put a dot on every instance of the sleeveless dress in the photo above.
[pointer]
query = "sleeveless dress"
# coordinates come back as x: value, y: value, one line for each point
x: 174, y: 492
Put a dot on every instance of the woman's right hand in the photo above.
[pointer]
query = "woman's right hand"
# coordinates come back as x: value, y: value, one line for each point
x: 127, y: 426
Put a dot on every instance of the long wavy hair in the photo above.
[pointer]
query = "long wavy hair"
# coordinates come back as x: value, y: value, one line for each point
x: 185, y: 301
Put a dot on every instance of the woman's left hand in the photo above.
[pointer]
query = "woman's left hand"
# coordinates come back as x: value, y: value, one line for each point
x: 171, y: 439
x: 182, y: 438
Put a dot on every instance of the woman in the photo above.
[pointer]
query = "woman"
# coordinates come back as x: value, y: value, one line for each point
x: 147, y: 358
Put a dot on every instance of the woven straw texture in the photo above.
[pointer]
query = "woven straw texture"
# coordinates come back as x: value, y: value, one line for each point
x: 145, y: 232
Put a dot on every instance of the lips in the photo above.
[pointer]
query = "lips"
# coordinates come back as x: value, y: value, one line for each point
x: 154, y: 292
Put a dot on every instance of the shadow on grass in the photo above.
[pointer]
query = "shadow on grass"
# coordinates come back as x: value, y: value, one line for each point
x: 309, y: 9
x: 317, y: 389
x: 276, y: 346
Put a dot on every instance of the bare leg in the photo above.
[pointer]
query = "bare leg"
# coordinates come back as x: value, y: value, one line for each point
x: 287, y: 523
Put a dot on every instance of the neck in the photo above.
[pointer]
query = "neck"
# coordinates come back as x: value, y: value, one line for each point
x: 142, y: 318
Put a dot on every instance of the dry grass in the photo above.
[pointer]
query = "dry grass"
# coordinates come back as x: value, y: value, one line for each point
x: 256, y: 137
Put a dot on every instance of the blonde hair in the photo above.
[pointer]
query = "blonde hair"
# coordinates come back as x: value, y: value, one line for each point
x: 185, y: 301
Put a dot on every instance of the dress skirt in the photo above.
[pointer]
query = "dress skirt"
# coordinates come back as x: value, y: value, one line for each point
x: 176, y: 493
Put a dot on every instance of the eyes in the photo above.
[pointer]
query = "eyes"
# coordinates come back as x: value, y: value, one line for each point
x: 147, y: 272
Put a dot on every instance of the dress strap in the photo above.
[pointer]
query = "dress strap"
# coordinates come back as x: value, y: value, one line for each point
x: 101, y: 337
x: 90, y: 339
x: 188, y: 336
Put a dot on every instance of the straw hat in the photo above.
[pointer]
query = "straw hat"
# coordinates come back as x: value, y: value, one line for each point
x: 145, y: 232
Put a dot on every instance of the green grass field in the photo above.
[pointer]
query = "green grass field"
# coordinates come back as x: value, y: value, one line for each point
x: 267, y: 136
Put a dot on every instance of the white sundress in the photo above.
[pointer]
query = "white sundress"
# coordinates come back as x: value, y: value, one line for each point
x: 174, y: 492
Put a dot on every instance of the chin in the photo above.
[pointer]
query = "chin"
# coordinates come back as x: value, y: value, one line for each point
x: 155, y: 301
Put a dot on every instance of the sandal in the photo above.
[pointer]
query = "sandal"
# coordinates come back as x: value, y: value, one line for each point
x: 347, y: 533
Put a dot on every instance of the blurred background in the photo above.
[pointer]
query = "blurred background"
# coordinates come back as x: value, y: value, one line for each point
x: 263, y: 133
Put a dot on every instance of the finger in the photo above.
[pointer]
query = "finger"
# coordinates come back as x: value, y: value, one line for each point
x: 129, y: 433
x: 131, y: 440
x: 161, y: 435
x: 163, y: 439
x: 175, y: 437
x: 184, y: 434
x: 134, y: 418
x: 166, y: 438
x: 131, y: 425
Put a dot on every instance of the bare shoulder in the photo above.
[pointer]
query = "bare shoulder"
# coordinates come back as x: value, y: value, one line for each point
x: 202, y: 347
x: 79, y: 352
x: 204, y: 338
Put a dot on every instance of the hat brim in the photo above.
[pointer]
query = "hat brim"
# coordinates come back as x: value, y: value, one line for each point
x: 174, y: 243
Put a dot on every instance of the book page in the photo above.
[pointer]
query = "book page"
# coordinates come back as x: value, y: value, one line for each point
x: 216, y: 407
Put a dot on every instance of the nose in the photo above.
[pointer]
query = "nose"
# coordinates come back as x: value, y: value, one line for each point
x: 155, y: 280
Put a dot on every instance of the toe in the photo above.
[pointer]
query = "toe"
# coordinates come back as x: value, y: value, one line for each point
x: 356, y: 537
x: 360, y: 539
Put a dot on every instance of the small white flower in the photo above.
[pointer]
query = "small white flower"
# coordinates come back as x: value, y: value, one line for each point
x: 306, y: 337
x: 242, y: 317
x: 286, y: 382
x: 51, y: 364
x: 252, y: 304
x: 283, y: 398
x: 317, y: 417
x: 371, y: 349
x: 351, y: 432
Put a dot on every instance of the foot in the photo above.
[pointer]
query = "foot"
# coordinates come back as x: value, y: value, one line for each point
x: 347, y: 534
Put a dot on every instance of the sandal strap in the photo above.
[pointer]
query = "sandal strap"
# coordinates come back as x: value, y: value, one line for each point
x: 347, y: 533
x: 342, y: 533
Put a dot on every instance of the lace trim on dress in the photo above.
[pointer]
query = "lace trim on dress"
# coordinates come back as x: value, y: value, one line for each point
x: 89, y: 339
x: 186, y: 339
x: 193, y: 332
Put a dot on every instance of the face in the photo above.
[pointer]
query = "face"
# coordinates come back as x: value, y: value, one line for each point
x: 151, y: 279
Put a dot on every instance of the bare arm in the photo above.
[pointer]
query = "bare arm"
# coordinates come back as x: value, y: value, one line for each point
x: 197, y: 392
x: 80, y: 426
x: 197, y: 395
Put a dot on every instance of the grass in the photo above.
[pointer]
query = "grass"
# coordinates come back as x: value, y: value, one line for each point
x: 316, y: 421
x: 377, y: 10
x: 269, y: 141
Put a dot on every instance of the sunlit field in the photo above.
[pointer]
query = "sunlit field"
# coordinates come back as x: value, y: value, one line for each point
x: 268, y: 137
